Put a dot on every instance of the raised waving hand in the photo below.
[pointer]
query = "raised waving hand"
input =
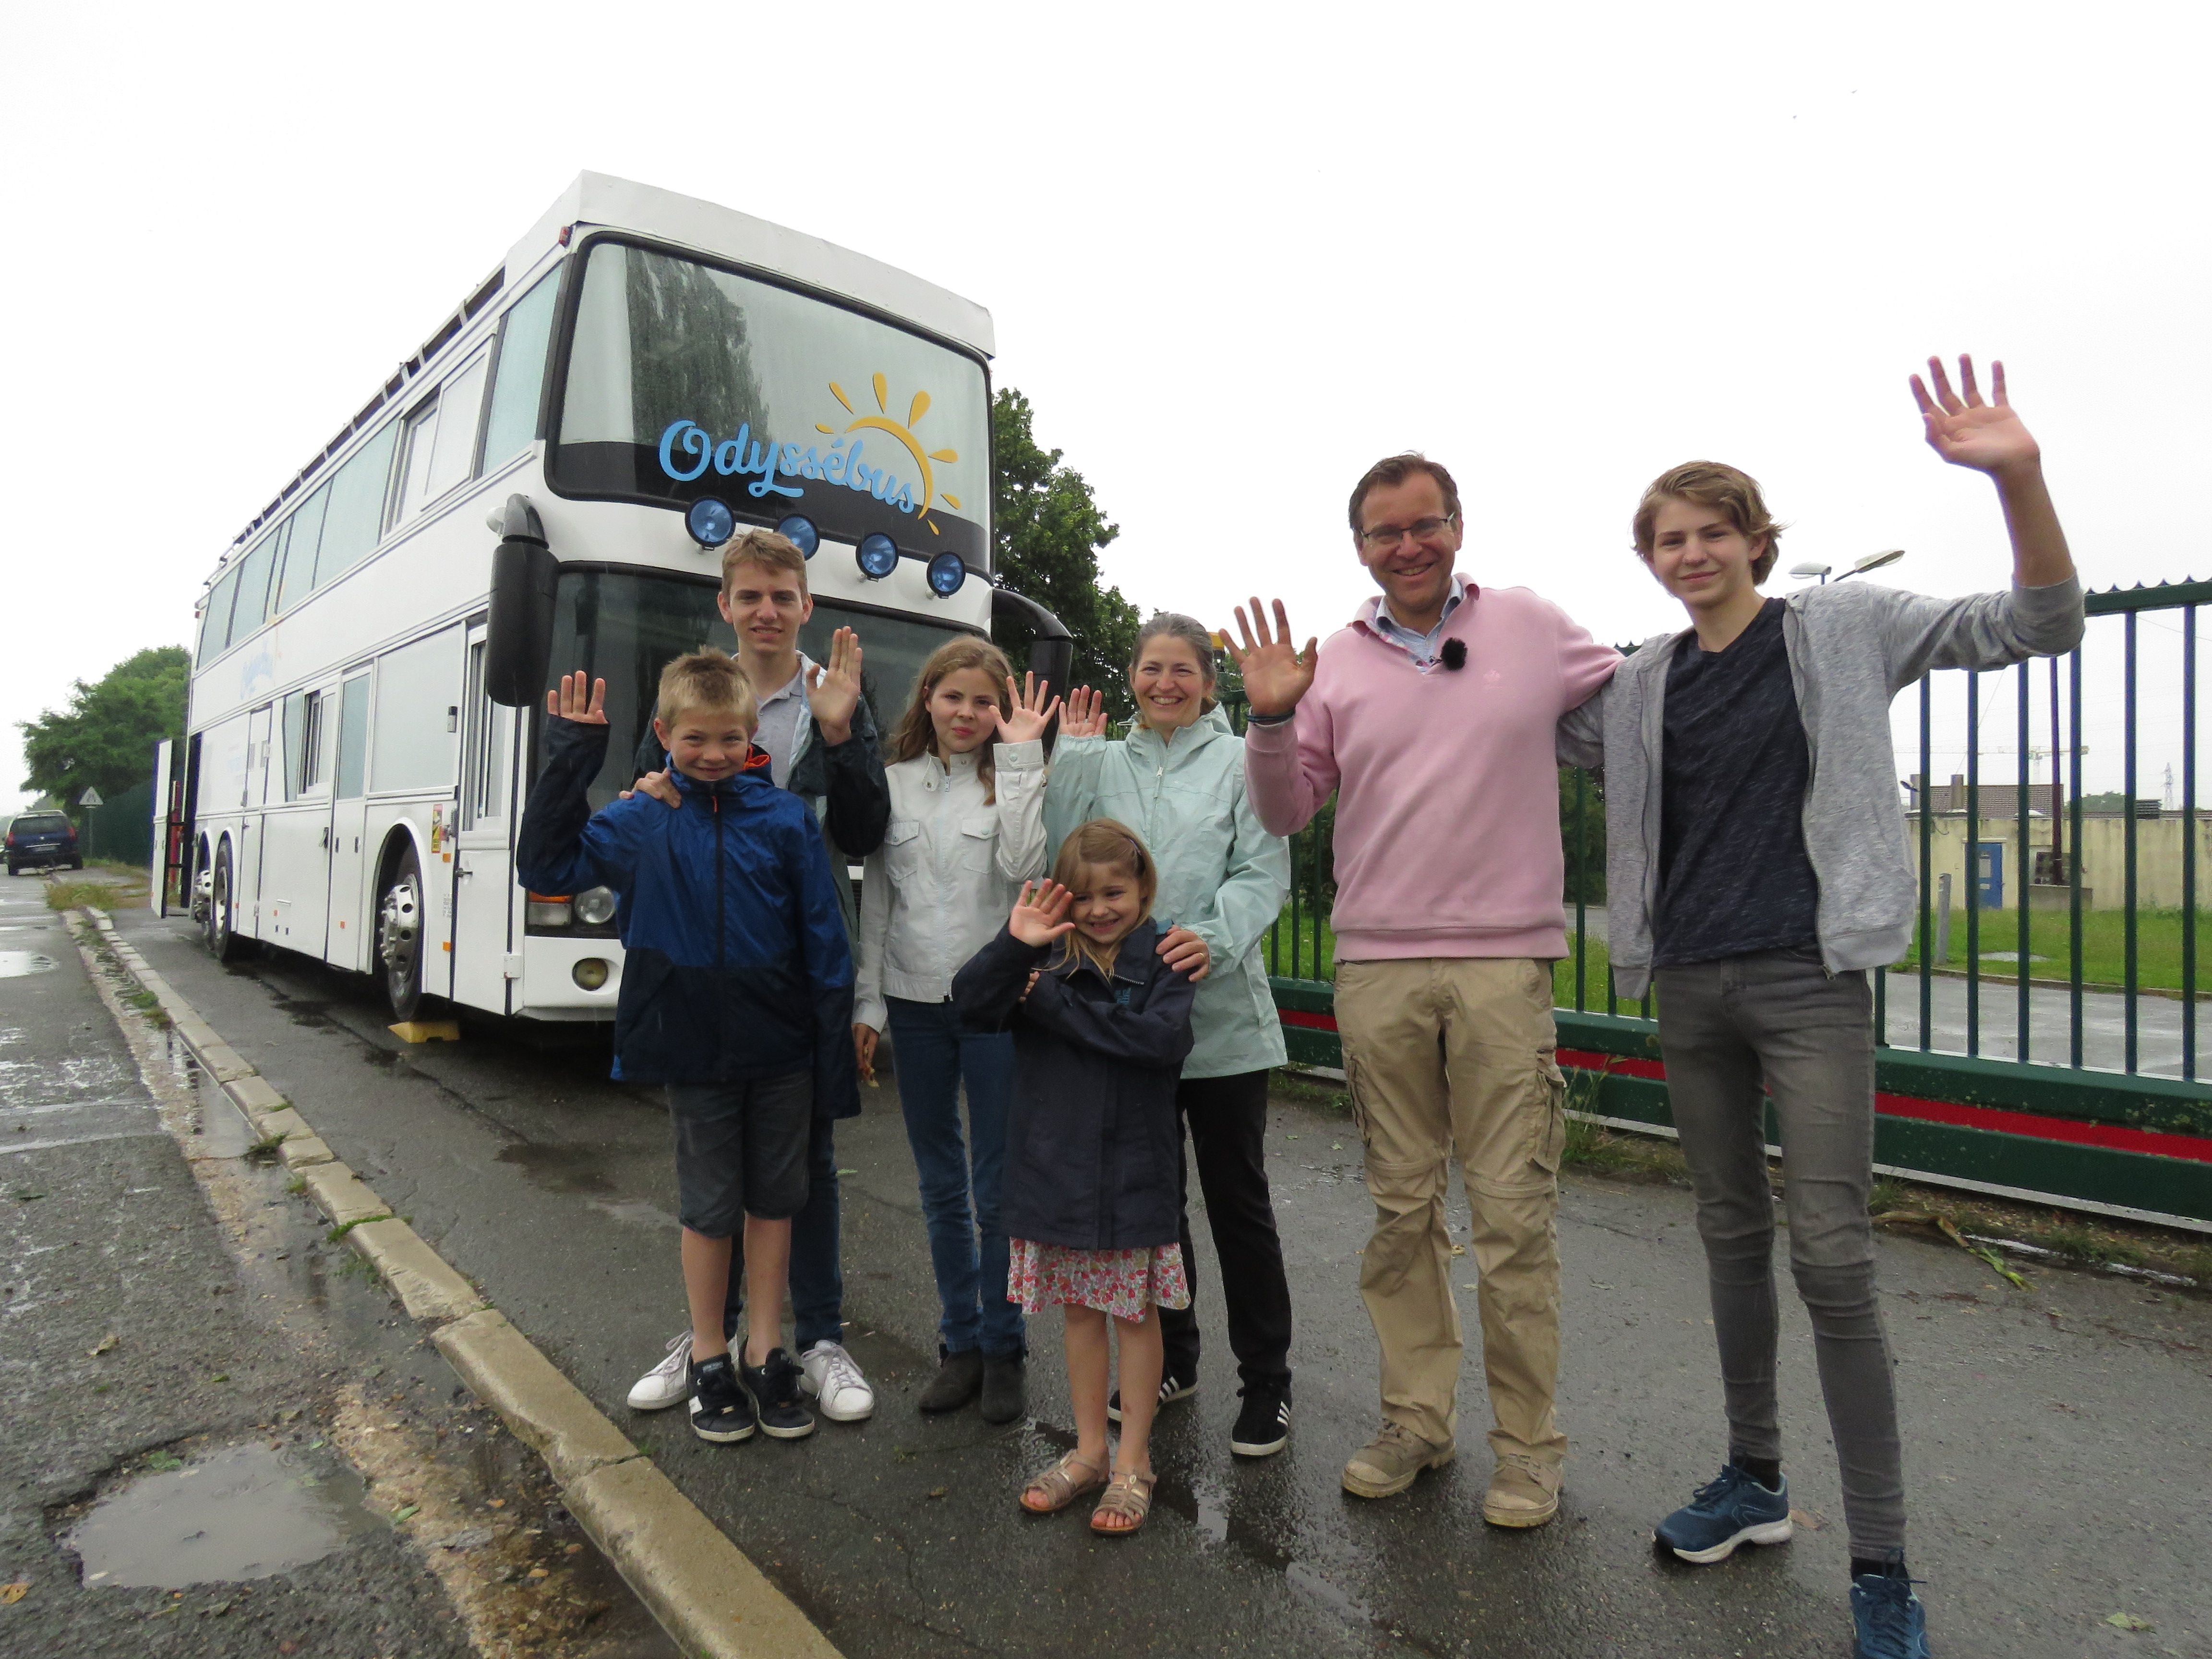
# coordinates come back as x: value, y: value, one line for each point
x: 570, y: 703
x: 1988, y: 437
x: 1085, y: 715
x: 1276, y: 675
x: 1041, y: 912
x: 833, y: 692
x: 1027, y: 714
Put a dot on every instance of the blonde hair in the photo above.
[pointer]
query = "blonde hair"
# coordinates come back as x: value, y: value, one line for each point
x: 1103, y: 844
x: 1173, y: 625
x: 915, y: 734
x: 769, y: 551
x: 1734, y: 493
x: 709, y: 682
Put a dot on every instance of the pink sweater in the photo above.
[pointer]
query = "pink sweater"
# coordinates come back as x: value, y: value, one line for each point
x: 1448, y: 815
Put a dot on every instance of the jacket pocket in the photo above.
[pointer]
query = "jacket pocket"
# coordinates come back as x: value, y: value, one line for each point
x: 1354, y: 1088
x: 1548, y: 1113
x: 979, y: 844
x: 903, y: 847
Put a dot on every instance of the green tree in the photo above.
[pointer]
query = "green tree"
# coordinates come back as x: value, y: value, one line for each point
x: 1046, y: 530
x: 1584, y: 847
x: 104, y: 738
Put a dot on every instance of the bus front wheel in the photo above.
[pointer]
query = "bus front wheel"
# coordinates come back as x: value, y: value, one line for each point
x: 399, y: 936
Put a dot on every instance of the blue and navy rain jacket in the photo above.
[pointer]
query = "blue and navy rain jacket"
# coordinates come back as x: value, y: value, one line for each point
x: 737, y: 965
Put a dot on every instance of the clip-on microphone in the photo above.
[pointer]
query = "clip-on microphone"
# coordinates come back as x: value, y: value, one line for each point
x: 1454, y: 655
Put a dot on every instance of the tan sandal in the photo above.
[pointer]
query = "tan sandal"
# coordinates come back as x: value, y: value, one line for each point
x: 1060, y: 1486
x: 1129, y: 1498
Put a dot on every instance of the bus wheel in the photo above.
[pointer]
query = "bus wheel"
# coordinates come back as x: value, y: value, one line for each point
x: 399, y: 936
x: 217, y: 929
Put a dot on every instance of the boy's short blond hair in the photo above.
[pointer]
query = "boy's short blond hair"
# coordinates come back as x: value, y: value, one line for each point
x: 769, y: 549
x: 707, y: 681
x: 1728, y: 490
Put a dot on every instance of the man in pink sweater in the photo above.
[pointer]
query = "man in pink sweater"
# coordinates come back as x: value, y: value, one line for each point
x: 1432, y: 717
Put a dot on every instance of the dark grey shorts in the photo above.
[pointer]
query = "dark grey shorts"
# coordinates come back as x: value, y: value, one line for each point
x: 741, y: 1151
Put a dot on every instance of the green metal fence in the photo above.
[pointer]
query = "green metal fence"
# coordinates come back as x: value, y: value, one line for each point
x: 2076, y: 1080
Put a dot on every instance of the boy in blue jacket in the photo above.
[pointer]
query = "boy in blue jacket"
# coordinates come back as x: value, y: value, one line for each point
x: 737, y: 994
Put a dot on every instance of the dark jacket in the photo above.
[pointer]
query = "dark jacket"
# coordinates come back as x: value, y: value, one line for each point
x: 736, y: 963
x: 1093, y: 1146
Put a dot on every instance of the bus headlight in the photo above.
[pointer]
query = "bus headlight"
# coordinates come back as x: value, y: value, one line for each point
x: 799, y: 529
x: 590, y: 973
x: 546, y: 910
x: 710, y: 521
x: 879, y: 555
x: 595, y: 906
x: 946, y: 572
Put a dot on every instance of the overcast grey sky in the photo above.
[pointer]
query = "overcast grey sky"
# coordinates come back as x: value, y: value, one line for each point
x: 1233, y: 254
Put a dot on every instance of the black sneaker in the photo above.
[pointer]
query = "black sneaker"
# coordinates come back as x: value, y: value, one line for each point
x: 720, y: 1411
x: 1263, y: 1422
x: 1172, y: 1388
x: 774, y: 1385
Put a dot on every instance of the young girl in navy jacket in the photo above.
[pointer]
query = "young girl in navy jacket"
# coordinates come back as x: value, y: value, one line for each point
x: 1101, y: 1026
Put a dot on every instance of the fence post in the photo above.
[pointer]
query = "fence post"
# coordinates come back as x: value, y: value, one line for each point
x: 1943, y: 917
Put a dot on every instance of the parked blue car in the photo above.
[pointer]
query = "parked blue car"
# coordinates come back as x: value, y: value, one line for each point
x: 42, y: 840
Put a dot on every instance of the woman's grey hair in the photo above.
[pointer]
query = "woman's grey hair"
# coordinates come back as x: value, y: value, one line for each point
x: 1174, y: 625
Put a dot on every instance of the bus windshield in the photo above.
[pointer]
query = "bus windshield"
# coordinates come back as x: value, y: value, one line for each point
x: 623, y: 626
x: 683, y: 381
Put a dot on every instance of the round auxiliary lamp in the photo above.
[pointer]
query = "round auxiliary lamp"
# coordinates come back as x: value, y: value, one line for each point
x: 878, y: 555
x: 799, y: 529
x: 710, y: 521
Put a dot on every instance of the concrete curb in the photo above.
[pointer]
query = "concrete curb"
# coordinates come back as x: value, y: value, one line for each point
x: 703, y: 1589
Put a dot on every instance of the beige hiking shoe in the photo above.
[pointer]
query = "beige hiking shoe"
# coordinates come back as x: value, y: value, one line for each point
x: 1522, y: 1493
x: 1388, y: 1464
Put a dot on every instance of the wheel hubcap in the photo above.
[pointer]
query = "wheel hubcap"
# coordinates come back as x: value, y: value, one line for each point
x: 398, y: 925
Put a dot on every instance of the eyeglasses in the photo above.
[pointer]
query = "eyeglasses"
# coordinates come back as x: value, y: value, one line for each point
x: 1384, y: 536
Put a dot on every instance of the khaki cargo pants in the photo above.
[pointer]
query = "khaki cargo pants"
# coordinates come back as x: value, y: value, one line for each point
x: 1456, y: 1057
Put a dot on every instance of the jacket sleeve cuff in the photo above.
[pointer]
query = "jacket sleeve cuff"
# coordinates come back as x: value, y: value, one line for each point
x: 1020, y: 756
x: 869, y: 1009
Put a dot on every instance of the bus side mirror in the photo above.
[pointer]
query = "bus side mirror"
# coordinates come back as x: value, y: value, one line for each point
x: 518, y: 633
x: 1052, y: 648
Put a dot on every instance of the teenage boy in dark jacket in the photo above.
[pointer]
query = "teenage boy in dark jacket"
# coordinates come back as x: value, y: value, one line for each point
x: 821, y: 741
x: 737, y: 993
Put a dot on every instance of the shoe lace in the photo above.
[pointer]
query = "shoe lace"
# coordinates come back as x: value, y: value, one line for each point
x: 838, y: 1371
x: 1398, y: 1434
x: 1720, y: 1486
x: 1889, y: 1610
x: 679, y: 1353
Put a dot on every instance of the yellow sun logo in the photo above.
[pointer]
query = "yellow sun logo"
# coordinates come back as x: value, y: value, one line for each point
x: 903, y: 431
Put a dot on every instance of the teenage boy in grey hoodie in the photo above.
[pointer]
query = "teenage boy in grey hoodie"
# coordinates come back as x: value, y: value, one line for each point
x: 1758, y: 868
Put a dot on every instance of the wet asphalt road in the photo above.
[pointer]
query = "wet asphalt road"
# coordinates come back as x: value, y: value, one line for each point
x: 2058, y: 1440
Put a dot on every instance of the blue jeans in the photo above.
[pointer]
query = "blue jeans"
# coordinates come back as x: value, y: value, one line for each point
x: 933, y: 1057
x: 817, y: 1272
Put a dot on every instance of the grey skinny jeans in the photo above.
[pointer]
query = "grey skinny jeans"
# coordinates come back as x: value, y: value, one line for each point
x: 1779, y: 1017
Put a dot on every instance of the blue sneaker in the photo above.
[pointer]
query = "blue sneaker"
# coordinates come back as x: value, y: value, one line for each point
x: 1890, y: 1620
x: 1733, y: 1509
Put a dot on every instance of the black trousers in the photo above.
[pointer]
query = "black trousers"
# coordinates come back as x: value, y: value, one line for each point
x: 1226, y: 1120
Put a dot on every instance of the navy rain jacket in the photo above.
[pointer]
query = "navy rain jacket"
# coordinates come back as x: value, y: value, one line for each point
x: 1094, y: 1149
x: 736, y: 962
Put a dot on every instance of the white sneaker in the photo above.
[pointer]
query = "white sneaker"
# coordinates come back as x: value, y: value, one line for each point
x: 668, y: 1383
x: 828, y: 1373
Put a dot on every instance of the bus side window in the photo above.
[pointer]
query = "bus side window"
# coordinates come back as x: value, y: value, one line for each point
x: 215, y: 630
x: 488, y: 755
x: 354, y: 523
x: 453, y: 458
x: 412, y: 746
x: 415, y: 461
x: 523, y: 334
x: 304, y: 539
x: 299, y: 738
x: 353, y: 738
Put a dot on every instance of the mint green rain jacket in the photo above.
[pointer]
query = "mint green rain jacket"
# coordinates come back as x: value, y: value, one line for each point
x: 1221, y: 875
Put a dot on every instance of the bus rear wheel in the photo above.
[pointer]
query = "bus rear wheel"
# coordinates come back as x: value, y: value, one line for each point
x: 399, y: 936
x: 218, y: 929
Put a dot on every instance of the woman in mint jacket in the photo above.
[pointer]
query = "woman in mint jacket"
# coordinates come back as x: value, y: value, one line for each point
x: 1178, y: 780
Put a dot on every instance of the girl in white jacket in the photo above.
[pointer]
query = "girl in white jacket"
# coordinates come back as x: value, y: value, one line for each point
x: 966, y: 771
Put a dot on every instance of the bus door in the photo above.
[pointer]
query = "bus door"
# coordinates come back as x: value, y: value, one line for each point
x: 483, y: 861
x: 296, y: 846
x: 347, y: 943
x: 245, y: 876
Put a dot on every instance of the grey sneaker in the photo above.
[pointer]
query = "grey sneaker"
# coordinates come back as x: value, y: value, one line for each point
x: 668, y: 1383
x: 1388, y: 1463
x: 1524, y: 1492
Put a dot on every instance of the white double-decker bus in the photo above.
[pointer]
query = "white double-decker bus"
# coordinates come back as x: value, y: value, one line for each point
x: 545, y: 486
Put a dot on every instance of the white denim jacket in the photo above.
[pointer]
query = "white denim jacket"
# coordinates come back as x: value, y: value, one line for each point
x: 941, y: 886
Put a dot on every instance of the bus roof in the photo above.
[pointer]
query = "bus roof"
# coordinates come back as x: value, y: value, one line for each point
x: 598, y: 200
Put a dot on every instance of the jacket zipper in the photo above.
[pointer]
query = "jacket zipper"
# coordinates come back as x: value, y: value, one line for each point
x: 714, y: 801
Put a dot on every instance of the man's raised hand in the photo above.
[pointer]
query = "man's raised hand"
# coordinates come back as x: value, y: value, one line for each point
x: 1964, y: 430
x: 569, y: 702
x: 1027, y: 713
x: 1041, y: 912
x: 661, y: 785
x: 1275, y: 675
x: 1085, y: 715
x: 833, y: 692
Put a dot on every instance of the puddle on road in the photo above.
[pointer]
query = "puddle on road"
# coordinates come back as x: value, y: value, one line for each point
x: 246, y: 1512
x: 559, y: 1169
x: 16, y: 965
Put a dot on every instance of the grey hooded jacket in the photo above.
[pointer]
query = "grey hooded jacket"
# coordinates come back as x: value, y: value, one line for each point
x: 1853, y: 646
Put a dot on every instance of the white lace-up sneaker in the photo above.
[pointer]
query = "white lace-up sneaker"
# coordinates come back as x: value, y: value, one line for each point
x: 668, y: 1383
x: 828, y: 1374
